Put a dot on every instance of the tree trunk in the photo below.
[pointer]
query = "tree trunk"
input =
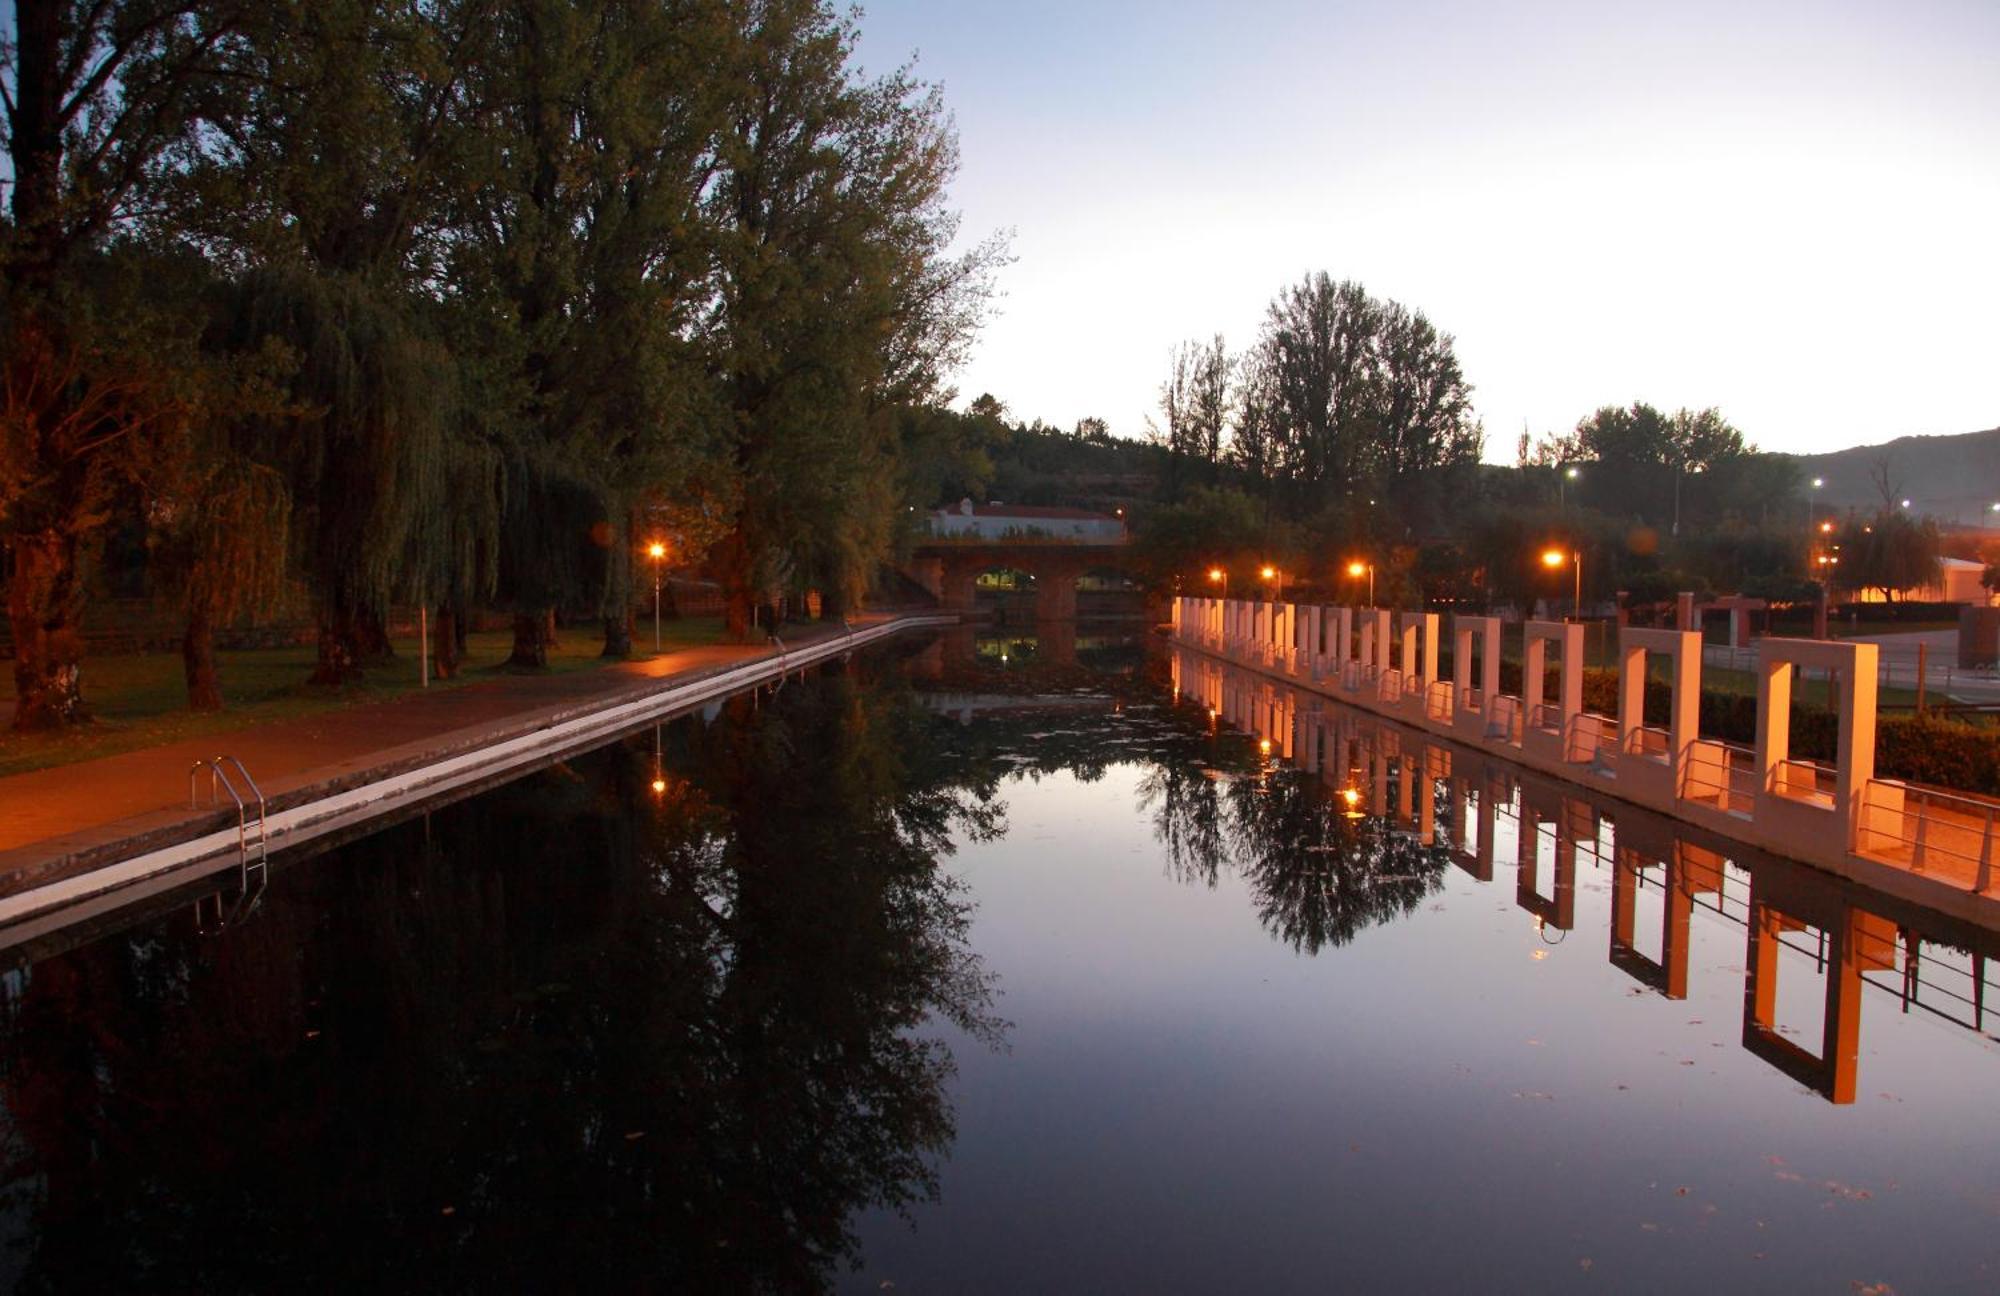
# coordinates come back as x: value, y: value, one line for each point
x: 549, y: 628
x: 618, y: 633
x: 339, y: 662
x: 45, y: 609
x: 444, y: 641
x: 198, y: 659
x: 531, y: 647
x: 371, y: 636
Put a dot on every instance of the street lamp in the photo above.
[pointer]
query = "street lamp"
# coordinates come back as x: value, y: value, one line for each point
x: 656, y: 551
x: 1270, y: 574
x: 1357, y: 569
x: 1217, y: 576
x: 1562, y: 484
x: 1554, y: 558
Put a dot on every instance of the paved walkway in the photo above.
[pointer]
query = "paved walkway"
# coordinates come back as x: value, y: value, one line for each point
x: 63, y: 821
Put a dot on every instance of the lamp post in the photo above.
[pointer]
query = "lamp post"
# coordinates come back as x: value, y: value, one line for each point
x: 1217, y: 576
x: 1562, y: 488
x: 1554, y: 558
x: 1358, y: 569
x: 656, y: 551
x: 1271, y: 574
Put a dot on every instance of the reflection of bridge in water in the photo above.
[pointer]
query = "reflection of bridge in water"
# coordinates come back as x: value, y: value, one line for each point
x: 1796, y: 922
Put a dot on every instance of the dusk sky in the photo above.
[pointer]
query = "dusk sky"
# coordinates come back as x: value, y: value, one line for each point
x: 1784, y: 210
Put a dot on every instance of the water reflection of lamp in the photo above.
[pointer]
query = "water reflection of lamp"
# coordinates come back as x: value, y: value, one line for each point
x: 1264, y: 746
x: 659, y: 774
x: 1352, y: 796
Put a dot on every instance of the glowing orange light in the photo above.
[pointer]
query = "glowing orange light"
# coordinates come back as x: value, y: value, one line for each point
x: 1554, y: 557
x: 1264, y: 745
x: 1215, y: 573
x: 1351, y: 795
x: 1357, y: 568
x: 659, y: 786
x: 656, y: 551
x: 1268, y: 572
x: 1826, y: 528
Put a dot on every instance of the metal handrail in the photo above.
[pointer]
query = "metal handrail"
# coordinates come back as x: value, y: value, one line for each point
x: 1937, y: 826
x: 219, y: 781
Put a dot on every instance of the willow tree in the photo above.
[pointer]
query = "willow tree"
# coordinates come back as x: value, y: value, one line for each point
x: 216, y: 543
x: 95, y: 96
x: 342, y: 144
x: 838, y: 299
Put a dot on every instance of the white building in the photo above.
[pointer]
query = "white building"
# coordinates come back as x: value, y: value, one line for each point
x: 996, y: 521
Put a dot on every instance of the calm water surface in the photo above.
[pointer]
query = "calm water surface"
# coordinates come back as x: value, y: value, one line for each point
x: 1010, y: 964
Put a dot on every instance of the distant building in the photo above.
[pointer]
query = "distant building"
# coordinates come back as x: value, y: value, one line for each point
x: 1958, y: 582
x: 996, y: 521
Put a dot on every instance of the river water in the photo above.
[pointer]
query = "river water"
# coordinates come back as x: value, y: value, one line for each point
x: 1010, y: 963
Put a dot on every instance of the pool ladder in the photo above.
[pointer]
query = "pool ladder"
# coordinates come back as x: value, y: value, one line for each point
x: 252, y: 854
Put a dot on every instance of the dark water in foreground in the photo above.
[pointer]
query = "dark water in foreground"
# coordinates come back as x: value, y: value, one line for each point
x: 967, y: 974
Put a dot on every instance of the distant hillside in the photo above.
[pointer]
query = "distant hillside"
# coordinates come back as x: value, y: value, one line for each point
x: 1952, y: 478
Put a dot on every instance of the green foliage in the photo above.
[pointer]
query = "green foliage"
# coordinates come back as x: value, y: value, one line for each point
x: 1211, y: 527
x: 1891, y: 551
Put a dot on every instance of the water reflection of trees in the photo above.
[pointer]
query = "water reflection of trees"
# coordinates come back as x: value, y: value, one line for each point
x: 1318, y: 873
x: 408, y: 1070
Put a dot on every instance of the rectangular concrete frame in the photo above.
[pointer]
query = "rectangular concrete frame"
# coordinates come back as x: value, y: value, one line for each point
x: 1651, y: 780
x: 1418, y: 661
x: 1547, y: 745
x: 1787, y: 807
x: 1472, y: 704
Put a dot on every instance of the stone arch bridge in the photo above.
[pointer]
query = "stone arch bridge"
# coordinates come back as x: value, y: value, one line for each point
x: 949, y: 568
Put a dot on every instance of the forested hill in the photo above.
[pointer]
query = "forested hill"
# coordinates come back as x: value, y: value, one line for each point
x: 1952, y: 478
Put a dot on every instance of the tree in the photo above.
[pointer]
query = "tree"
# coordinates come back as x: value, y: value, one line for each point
x: 347, y: 137
x: 835, y: 300
x: 95, y: 97
x: 1211, y: 526
x: 1891, y: 552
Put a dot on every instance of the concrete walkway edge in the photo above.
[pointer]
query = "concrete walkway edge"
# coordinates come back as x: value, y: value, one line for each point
x: 35, y: 910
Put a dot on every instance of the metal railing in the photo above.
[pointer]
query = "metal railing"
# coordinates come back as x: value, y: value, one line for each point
x: 1804, y: 780
x: 1720, y: 774
x: 250, y: 854
x: 1437, y: 700
x: 1503, y: 718
x: 1594, y: 739
x: 1545, y: 716
x: 1945, y: 834
x: 1654, y: 744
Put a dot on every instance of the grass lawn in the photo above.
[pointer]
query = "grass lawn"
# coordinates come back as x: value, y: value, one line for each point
x: 140, y: 700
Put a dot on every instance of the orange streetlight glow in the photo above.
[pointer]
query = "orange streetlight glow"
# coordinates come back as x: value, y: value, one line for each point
x: 1357, y: 569
x: 1554, y: 558
x: 1267, y: 571
x: 656, y: 551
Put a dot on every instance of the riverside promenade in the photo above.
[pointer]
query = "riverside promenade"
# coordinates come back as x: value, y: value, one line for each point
x: 116, y: 828
x: 1933, y: 846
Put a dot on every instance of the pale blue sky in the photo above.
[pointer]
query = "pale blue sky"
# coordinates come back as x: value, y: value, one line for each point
x: 1789, y: 210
